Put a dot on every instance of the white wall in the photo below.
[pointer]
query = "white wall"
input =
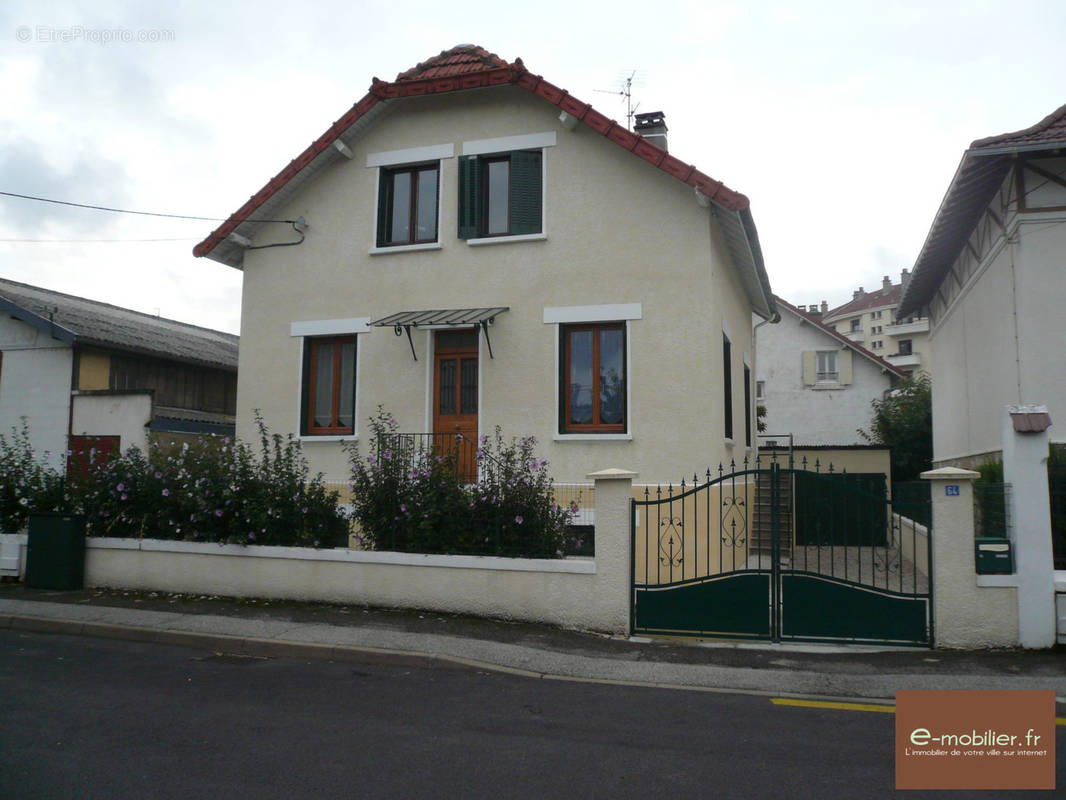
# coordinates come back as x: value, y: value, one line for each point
x: 815, y: 415
x: 1002, y: 341
x: 35, y: 384
x: 121, y: 414
x: 618, y: 231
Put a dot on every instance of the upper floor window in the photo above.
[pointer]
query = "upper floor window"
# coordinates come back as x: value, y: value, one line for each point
x: 727, y: 385
x: 856, y: 324
x: 827, y: 365
x: 407, y: 205
x: 594, y: 378
x: 501, y: 194
x: 905, y: 347
x: 329, y: 385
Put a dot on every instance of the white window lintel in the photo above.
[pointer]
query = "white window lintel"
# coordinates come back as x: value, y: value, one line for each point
x: 410, y: 155
x: 330, y: 327
x: 600, y: 313
x: 505, y: 144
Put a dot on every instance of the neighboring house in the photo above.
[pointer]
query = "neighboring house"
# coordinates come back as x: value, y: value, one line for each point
x: 815, y: 382
x: 872, y: 320
x: 992, y: 278
x: 76, y: 368
x: 543, y: 269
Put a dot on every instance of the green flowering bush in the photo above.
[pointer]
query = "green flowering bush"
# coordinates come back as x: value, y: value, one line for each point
x: 213, y: 490
x: 26, y: 482
x: 414, y: 499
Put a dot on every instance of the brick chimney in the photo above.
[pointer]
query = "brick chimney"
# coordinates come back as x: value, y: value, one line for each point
x: 652, y: 126
x: 858, y: 293
x: 825, y: 308
x: 886, y: 283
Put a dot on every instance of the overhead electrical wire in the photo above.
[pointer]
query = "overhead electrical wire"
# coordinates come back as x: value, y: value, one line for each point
x: 92, y: 241
x: 128, y: 211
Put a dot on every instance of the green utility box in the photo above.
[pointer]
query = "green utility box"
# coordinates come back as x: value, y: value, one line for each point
x: 994, y: 556
x: 55, y: 555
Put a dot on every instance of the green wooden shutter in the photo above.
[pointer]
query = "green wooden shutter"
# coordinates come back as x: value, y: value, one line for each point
x: 383, y: 208
x: 469, y: 197
x: 526, y: 192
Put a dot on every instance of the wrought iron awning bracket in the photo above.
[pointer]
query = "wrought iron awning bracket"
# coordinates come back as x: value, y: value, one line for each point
x: 485, y: 328
x: 398, y: 330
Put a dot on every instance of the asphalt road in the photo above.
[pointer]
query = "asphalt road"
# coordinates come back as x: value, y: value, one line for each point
x: 87, y: 718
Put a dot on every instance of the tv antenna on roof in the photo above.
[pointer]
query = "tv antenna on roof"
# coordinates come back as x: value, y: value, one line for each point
x: 626, y: 91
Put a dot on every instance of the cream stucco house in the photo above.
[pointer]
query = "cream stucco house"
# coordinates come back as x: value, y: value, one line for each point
x: 992, y: 278
x: 471, y: 247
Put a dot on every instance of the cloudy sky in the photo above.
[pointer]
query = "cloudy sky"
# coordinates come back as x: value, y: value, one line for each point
x: 842, y: 121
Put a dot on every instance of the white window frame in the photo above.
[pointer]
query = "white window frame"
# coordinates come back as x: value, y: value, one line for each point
x: 831, y: 376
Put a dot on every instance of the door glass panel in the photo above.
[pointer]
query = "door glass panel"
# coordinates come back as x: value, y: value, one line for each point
x: 447, y: 386
x: 580, y: 377
x: 401, y: 207
x: 345, y: 412
x: 468, y: 387
x: 612, y: 379
x: 323, y: 403
x: 497, y: 199
x: 427, y: 206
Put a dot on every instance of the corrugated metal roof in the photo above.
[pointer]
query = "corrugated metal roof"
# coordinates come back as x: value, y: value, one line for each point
x: 457, y: 317
x: 95, y: 323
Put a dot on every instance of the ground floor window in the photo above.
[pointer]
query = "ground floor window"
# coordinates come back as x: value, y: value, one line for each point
x: 329, y: 385
x: 593, y: 362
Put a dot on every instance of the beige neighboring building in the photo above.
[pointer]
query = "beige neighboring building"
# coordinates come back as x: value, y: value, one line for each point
x: 992, y: 278
x: 871, y: 320
x: 473, y: 247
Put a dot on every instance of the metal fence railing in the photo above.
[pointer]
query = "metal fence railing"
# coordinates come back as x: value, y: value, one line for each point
x: 914, y: 500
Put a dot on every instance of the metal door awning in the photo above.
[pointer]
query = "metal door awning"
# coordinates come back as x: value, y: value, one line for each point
x: 438, y: 319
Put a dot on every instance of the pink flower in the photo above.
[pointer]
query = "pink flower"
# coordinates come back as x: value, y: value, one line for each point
x: 123, y: 497
x: 403, y: 508
x: 166, y: 493
x: 218, y: 512
x: 518, y: 519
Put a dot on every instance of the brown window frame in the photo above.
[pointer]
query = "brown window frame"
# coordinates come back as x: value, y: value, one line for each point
x: 594, y: 427
x: 389, y: 174
x: 313, y: 344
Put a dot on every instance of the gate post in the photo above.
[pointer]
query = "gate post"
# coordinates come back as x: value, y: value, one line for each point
x: 967, y: 614
x: 613, y: 492
x: 1025, y: 455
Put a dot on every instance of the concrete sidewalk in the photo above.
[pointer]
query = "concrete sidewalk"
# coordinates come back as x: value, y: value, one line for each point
x: 272, y: 629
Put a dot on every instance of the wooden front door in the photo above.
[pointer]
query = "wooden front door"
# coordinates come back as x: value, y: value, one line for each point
x: 455, y: 398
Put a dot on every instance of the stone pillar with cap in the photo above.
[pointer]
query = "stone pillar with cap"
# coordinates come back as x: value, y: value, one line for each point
x: 1025, y: 455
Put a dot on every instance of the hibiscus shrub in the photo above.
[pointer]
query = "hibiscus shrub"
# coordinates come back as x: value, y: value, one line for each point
x: 211, y: 489
x: 413, y: 499
x: 27, y: 483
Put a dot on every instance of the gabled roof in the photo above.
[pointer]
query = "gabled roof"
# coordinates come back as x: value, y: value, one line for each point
x: 88, y: 322
x: 862, y: 351
x: 983, y: 168
x: 465, y: 67
x: 875, y: 299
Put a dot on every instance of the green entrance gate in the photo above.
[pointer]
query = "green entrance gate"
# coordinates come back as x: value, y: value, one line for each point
x: 773, y: 552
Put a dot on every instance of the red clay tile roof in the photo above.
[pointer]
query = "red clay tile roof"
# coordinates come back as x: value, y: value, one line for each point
x: 470, y: 67
x: 1051, y: 128
x: 460, y: 60
x: 877, y: 299
x: 858, y: 348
